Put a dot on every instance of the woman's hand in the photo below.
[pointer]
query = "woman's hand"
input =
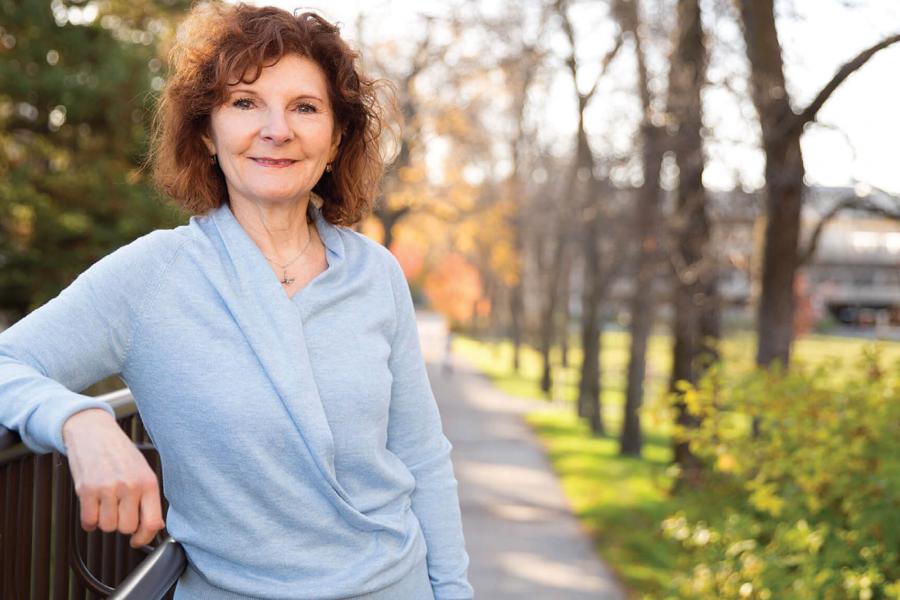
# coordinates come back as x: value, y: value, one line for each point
x: 116, y: 488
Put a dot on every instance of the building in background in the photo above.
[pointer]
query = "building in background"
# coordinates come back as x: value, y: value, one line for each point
x: 854, y: 275
x: 852, y: 279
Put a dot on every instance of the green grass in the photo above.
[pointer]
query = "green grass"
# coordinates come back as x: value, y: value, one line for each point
x: 620, y: 500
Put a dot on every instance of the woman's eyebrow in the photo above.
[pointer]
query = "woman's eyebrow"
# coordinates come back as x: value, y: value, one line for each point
x: 302, y: 96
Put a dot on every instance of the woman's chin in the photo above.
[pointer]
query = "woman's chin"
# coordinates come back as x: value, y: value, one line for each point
x: 275, y: 198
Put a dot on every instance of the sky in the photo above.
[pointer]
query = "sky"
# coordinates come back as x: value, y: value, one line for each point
x: 855, y: 142
x: 866, y: 108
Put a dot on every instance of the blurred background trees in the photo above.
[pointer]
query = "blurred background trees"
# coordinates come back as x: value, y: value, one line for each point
x: 577, y: 177
x: 574, y: 211
x: 75, y: 96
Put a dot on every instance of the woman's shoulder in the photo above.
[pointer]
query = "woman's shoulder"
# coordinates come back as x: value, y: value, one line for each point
x: 385, y: 267
x: 360, y: 245
x: 140, y: 262
x: 155, y: 247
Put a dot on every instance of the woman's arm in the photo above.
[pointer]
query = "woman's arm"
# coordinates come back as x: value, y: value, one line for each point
x: 76, y: 339
x: 415, y: 435
x: 72, y: 341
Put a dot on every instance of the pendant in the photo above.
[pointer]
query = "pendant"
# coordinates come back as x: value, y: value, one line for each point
x: 286, y: 281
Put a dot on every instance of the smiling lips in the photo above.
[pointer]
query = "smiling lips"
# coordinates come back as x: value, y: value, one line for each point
x: 274, y: 162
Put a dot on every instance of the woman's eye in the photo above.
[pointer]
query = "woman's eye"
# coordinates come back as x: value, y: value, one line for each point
x: 244, y: 103
x: 306, y: 108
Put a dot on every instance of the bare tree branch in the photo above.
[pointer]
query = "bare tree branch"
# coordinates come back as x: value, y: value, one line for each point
x: 604, y: 64
x: 797, y: 121
x: 561, y: 7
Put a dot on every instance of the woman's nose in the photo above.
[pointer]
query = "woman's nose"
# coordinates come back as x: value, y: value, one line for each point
x: 276, y: 128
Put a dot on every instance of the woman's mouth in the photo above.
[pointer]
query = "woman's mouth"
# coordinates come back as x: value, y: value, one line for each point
x: 274, y: 162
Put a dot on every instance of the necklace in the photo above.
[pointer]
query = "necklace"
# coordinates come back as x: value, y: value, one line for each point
x: 283, y: 267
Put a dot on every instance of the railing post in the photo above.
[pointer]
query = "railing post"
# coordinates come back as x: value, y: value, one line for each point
x: 43, y: 491
x: 8, y: 574
x: 25, y: 512
x: 61, y: 529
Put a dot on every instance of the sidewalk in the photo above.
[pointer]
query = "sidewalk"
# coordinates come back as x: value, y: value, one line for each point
x: 522, y: 539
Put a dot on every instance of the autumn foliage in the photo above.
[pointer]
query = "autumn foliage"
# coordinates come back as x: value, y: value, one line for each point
x: 454, y: 288
x: 410, y: 257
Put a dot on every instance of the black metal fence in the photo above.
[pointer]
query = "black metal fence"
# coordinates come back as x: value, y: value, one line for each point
x: 44, y: 553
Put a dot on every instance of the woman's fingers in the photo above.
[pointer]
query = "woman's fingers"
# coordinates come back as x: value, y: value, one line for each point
x: 129, y: 507
x: 109, y: 510
x: 89, y: 511
x: 151, y: 517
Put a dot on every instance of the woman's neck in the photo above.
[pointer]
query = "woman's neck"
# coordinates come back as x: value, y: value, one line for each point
x: 280, y: 230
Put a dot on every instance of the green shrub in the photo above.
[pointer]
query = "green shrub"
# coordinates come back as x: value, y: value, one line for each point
x: 809, y: 508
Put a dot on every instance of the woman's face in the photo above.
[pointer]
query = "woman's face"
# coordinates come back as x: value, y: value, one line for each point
x: 273, y: 137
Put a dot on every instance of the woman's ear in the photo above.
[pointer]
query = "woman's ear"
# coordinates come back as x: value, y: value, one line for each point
x: 209, y: 144
x: 335, y: 144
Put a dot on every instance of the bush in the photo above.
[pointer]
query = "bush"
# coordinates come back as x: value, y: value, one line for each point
x: 807, y: 509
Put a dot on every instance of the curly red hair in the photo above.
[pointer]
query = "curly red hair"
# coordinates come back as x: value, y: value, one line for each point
x: 219, y: 44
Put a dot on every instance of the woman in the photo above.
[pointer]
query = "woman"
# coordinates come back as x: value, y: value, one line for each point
x: 272, y: 352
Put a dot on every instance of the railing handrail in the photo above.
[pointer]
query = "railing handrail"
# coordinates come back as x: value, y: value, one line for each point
x: 155, y: 575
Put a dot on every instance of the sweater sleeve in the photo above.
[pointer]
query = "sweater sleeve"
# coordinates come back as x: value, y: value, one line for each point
x: 72, y: 341
x: 416, y: 436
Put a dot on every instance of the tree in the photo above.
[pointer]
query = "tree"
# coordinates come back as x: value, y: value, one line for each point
x: 73, y: 134
x: 693, y: 262
x: 519, y: 63
x: 520, y: 73
x: 646, y: 224
x: 584, y: 194
x: 406, y: 187
x: 781, y: 128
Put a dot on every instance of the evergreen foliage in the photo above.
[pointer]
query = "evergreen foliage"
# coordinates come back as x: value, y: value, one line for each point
x: 76, y: 84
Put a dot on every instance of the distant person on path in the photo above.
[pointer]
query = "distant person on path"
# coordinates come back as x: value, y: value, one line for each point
x: 272, y: 351
x: 448, y: 352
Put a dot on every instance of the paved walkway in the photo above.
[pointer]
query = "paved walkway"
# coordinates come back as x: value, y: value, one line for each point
x: 520, y: 534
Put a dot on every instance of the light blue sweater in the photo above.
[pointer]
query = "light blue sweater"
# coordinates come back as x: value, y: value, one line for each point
x: 302, y: 449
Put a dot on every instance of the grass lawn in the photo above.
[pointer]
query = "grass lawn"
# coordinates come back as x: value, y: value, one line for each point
x: 622, y: 500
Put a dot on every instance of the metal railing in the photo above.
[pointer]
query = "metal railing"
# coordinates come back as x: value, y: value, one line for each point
x: 45, y: 554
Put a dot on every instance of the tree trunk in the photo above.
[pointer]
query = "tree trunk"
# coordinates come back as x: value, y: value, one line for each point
x: 565, y: 293
x: 516, y: 291
x: 559, y: 266
x: 647, y: 209
x: 549, y: 310
x: 521, y: 73
x: 516, y: 310
x: 643, y: 303
x: 587, y: 203
x: 781, y: 131
x: 389, y: 219
x: 489, y: 293
x: 784, y: 200
x: 694, y: 264
x: 590, y: 384
x: 784, y: 183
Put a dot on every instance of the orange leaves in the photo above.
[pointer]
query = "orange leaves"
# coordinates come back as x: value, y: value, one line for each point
x: 410, y: 257
x: 454, y: 288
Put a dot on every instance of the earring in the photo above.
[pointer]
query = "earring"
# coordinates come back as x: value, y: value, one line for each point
x: 328, y: 168
x: 213, y: 159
